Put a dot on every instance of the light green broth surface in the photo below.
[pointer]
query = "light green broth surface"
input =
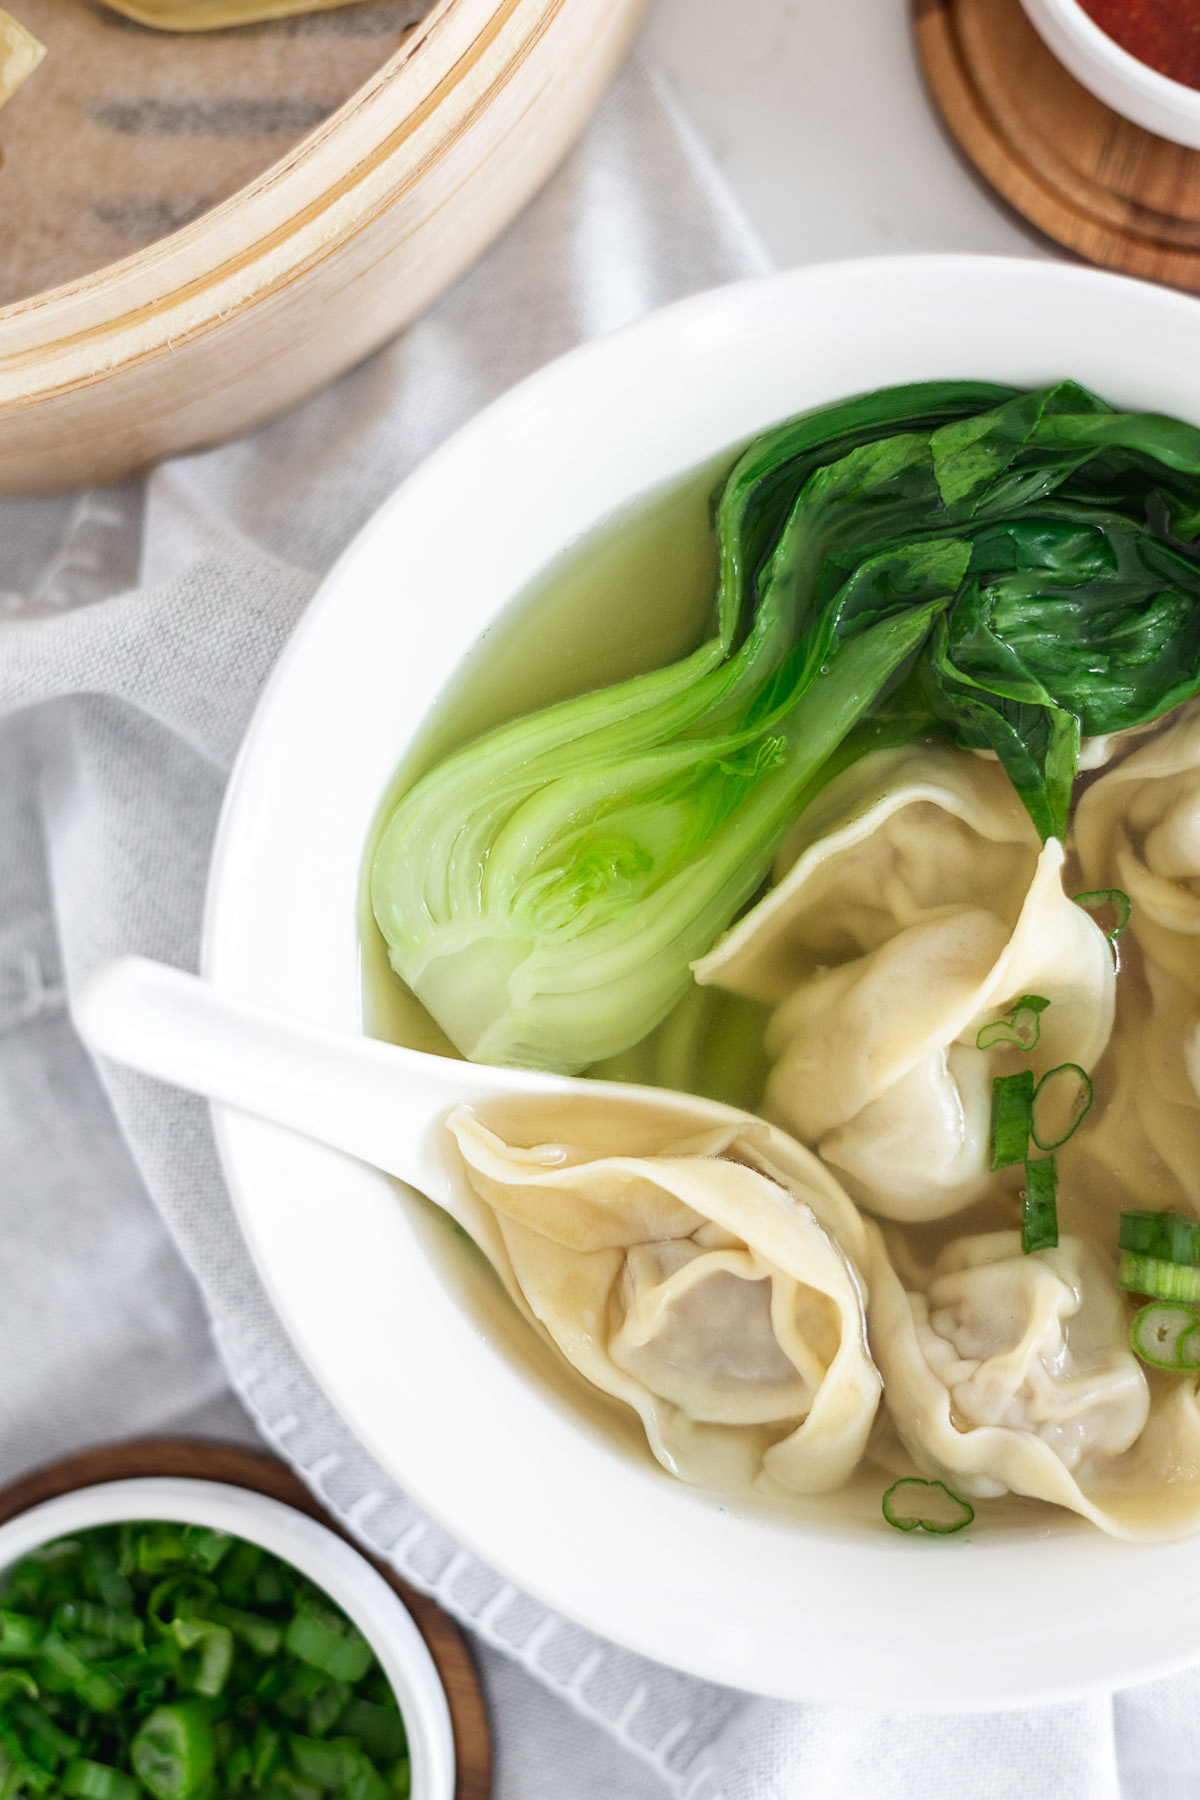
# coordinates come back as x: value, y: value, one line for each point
x: 635, y: 593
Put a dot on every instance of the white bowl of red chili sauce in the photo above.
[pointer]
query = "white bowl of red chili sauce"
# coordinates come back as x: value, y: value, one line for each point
x: 1143, y: 61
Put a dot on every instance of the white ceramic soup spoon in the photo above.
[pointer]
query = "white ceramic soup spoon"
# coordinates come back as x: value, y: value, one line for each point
x: 379, y: 1102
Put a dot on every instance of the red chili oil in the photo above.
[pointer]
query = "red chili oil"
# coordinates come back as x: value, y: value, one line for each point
x: 1163, y: 34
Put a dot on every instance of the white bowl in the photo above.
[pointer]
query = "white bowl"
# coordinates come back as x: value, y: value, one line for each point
x: 1137, y: 92
x: 328, y: 1560
x: 417, y: 1354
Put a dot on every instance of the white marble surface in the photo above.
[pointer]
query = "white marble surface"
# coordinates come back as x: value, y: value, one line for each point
x: 816, y: 111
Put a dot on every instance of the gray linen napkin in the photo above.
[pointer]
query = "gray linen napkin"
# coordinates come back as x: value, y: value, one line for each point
x: 136, y: 628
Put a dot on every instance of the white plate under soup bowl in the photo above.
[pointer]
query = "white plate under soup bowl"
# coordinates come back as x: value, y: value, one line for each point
x: 418, y: 1350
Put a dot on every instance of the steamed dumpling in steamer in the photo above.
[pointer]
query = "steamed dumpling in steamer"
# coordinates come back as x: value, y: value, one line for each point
x: 712, y: 1283
x: 1007, y: 1373
x: 913, y: 906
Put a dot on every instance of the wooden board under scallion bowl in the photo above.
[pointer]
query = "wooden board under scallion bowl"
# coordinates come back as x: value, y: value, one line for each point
x: 198, y: 231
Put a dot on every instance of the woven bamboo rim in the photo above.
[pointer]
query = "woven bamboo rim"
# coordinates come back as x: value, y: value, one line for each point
x: 319, y: 260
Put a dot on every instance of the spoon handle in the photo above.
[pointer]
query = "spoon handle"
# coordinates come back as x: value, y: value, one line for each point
x: 380, y: 1102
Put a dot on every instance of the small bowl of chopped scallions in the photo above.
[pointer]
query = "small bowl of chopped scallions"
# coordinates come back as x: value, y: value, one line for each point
x: 189, y: 1640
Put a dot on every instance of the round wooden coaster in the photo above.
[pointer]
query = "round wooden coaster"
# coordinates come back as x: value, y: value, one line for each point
x: 1102, y: 186
x: 245, y: 1468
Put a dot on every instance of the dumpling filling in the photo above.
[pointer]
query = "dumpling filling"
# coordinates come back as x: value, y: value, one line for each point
x: 1037, y: 1344
x: 715, y: 1288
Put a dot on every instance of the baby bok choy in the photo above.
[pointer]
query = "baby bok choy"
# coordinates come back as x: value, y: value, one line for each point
x: 1012, y: 571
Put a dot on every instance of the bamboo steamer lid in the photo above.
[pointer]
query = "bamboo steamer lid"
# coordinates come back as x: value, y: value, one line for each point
x: 321, y: 256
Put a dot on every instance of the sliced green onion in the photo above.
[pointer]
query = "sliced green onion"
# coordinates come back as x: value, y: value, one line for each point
x: 20, y: 1636
x: 368, y: 1784
x: 19, y: 1773
x: 287, y: 1785
x: 205, y: 1547
x: 238, y: 1571
x: 173, y: 1753
x: 267, y: 1752
x: 1020, y: 1026
x: 269, y: 1586
x: 102, y: 1574
x: 92, y: 1686
x: 1117, y: 898
x: 45, y: 1739
x: 160, y: 1547
x: 1160, y: 1333
x: 1172, y: 1237
x: 1012, y: 1102
x: 14, y: 1682
x: 1039, y: 1207
x: 379, y: 1729
x: 934, y: 1517
x: 215, y: 1644
x: 326, y: 1707
x: 264, y: 1636
x: 1078, y: 1109
x: 237, y: 1765
x: 304, y: 1686
x: 85, y: 1618
x: 333, y: 1763
x: 1159, y: 1279
x: 86, y: 1780
x: 170, y: 1597
x: 166, y: 1662
x: 328, y: 1642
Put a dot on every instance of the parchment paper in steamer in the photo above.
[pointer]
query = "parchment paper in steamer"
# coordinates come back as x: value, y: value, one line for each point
x: 123, y: 134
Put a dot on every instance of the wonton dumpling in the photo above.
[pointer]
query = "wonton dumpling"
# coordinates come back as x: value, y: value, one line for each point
x: 923, y: 910
x: 708, y: 1284
x: 891, y: 842
x: 1138, y: 828
x: 1007, y: 1373
x: 1142, y: 1147
x: 1099, y: 752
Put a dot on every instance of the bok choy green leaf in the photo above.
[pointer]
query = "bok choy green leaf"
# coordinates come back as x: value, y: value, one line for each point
x: 1012, y: 571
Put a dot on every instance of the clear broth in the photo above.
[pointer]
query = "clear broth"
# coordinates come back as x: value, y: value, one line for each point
x: 635, y: 593
x: 632, y: 595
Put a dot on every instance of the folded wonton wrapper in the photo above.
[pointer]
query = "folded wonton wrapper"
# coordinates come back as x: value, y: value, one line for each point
x: 1138, y: 828
x: 1007, y: 1373
x: 712, y: 1283
x: 20, y: 54
x: 209, y: 15
x: 1098, y: 752
x: 918, y: 907
x: 1141, y: 1147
